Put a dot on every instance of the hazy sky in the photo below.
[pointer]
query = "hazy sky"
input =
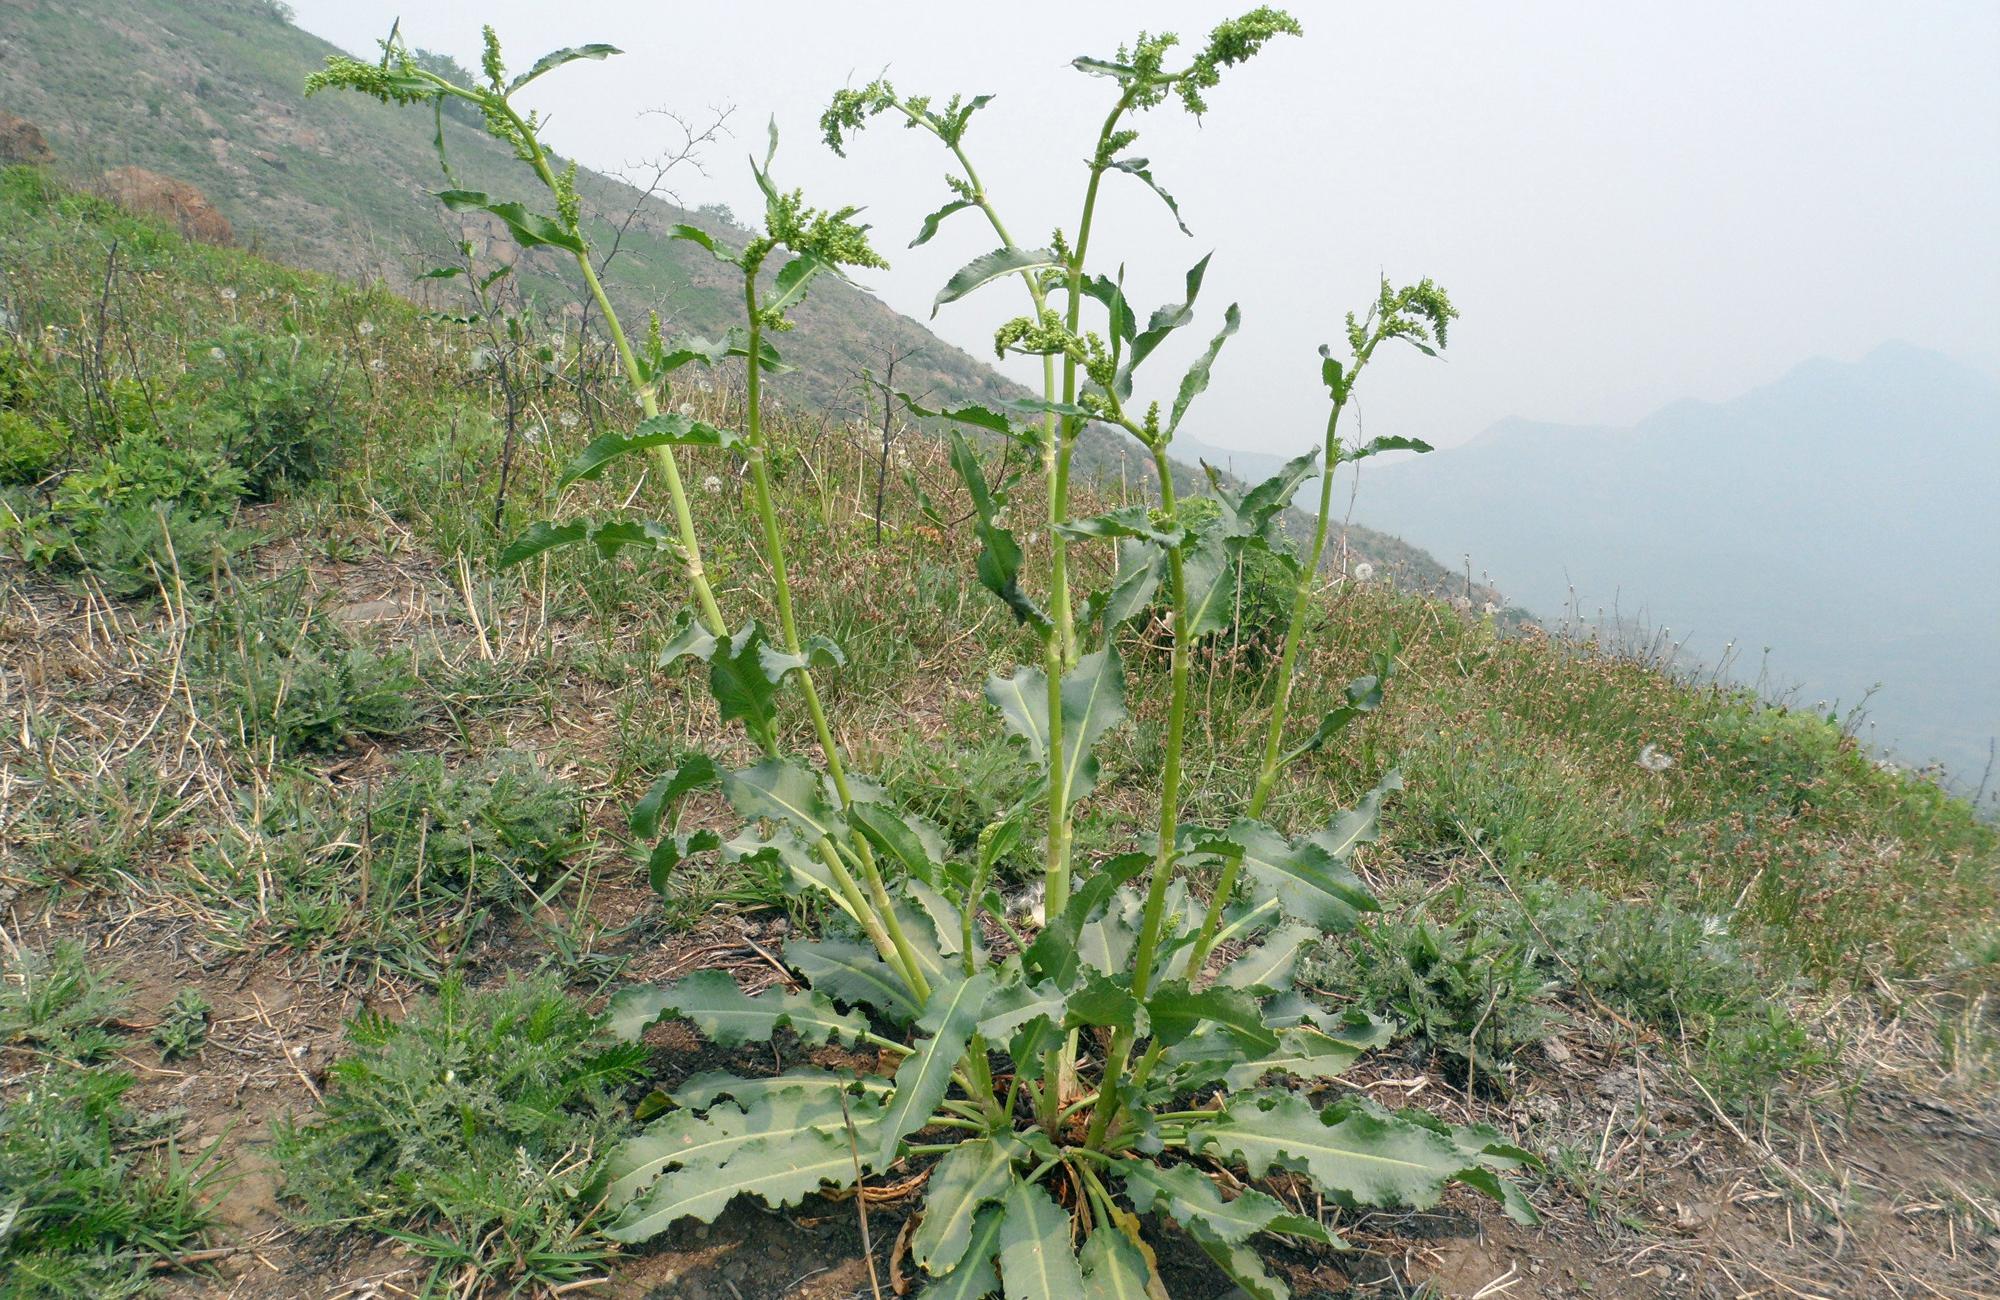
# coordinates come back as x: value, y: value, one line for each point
x: 1630, y: 204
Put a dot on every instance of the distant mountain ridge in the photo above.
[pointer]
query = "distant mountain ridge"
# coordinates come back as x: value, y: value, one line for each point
x: 1842, y: 515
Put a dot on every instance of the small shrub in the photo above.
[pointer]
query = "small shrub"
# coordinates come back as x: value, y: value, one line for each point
x: 475, y: 1130
x: 1743, y: 1060
x: 29, y: 448
x: 1257, y: 588
x: 1670, y: 968
x: 293, y: 678
x: 91, y: 1202
x: 284, y: 411
x: 1785, y: 753
x: 490, y: 831
x: 57, y: 1005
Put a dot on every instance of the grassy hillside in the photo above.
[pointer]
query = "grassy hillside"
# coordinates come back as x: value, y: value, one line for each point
x: 289, y: 749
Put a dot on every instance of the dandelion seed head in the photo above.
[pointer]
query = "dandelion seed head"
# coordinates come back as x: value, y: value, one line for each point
x: 712, y: 485
x: 1653, y: 759
x: 1364, y: 571
x: 365, y: 328
x: 229, y: 295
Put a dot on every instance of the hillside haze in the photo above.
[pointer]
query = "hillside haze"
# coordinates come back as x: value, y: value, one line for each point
x: 1842, y: 516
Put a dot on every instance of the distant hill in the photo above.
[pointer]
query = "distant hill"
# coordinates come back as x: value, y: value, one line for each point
x: 1843, y: 516
x: 209, y: 92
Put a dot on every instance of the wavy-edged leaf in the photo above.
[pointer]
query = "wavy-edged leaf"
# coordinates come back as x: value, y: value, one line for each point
x: 780, y: 1167
x: 668, y: 789
x: 696, y: 235
x: 1376, y: 446
x: 1243, y: 1266
x: 1164, y: 321
x: 1093, y: 701
x: 1191, y: 1197
x: 974, y: 1278
x: 1311, y: 884
x: 999, y: 563
x: 691, y: 638
x: 889, y: 830
x: 1195, y: 382
x: 1359, y: 825
x: 741, y: 679
x: 1113, y: 1268
x: 1141, y: 567
x: 557, y: 58
x: 1036, y: 1262
x: 1177, y: 1011
x: 924, y: 1077
x: 1127, y: 521
x: 1111, y: 293
x: 989, y: 267
x: 1310, y: 1052
x: 1362, y: 1158
x: 971, y: 1176
x: 672, y: 850
x: 703, y: 1090
x: 936, y: 219
x: 668, y: 430
x: 711, y: 1002
x: 1255, y: 513
x: 1210, y: 574
x: 609, y: 537
x: 782, y: 790
x: 853, y: 973
x: 1271, y: 964
x: 1142, y: 168
x: 530, y: 229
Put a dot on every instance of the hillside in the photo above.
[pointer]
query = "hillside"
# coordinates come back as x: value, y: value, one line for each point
x: 210, y: 94
x: 1839, y: 518
x: 316, y: 855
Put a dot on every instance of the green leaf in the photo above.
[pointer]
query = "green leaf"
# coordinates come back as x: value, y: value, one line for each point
x: 935, y: 219
x: 691, y: 637
x: 989, y: 267
x: 1111, y: 293
x: 1306, y: 1052
x: 974, y: 1278
x: 793, y: 279
x: 530, y: 229
x: 1177, y: 1011
x: 729, y: 1017
x: 887, y: 830
x: 1036, y: 1262
x: 701, y: 1091
x: 782, y: 790
x: 1272, y: 963
x: 1093, y: 701
x: 673, y: 850
x: 609, y: 537
x: 1362, y: 1158
x: 1210, y: 574
x: 1141, y: 567
x: 1312, y: 885
x: 694, y: 772
x: 672, y: 430
x: 1113, y: 1268
x: 556, y: 59
x: 1164, y: 321
x: 1191, y: 1197
x: 696, y: 235
x: 1141, y: 168
x: 1376, y: 446
x: 1243, y: 1266
x: 1358, y: 826
x: 971, y: 1176
x: 1253, y: 513
x: 543, y: 535
x: 924, y: 1077
x: 999, y: 561
x: 852, y: 973
x: 1195, y: 382
x: 1128, y: 521
x: 1017, y: 1002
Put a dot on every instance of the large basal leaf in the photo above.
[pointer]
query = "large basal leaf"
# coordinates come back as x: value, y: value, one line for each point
x: 700, y: 1091
x: 780, y: 1145
x: 973, y: 1175
x: 1271, y: 964
x: 1113, y: 1268
x: 1191, y: 1197
x: 975, y: 1277
x: 530, y: 229
x: 924, y: 1077
x: 989, y: 267
x: 1243, y: 1266
x: 1017, y: 1001
x: 1361, y: 1158
x: 668, y: 430
x: 1309, y: 1052
x: 663, y: 797
x: 1195, y: 382
x: 729, y: 1017
x: 852, y: 973
x: 782, y: 790
x: 1177, y: 1011
x: 1036, y: 1262
x: 901, y: 838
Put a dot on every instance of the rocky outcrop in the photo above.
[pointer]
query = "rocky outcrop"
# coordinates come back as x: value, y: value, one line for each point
x: 150, y: 194
x: 21, y: 141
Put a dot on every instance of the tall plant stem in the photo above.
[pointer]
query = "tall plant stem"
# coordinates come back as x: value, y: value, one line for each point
x: 1267, y: 772
x: 883, y: 910
x: 1154, y: 916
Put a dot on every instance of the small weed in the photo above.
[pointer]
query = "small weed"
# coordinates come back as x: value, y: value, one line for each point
x: 475, y: 1131
x: 57, y: 1005
x: 283, y: 412
x: 493, y: 831
x: 183, y: 1027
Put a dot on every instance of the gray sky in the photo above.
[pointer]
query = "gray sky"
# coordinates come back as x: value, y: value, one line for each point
x: 1630, y: 204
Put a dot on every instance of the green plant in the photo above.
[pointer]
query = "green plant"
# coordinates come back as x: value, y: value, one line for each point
x: 475, y: 1131
x: 1091, y: 1072
x: 491, y: 831
x: 291, y: 677
x: 55, y: 1003
x: 183, y: 1026
x: 1257, y: 586
x: 85, y: 1211
x: 282, y: 411
x: 29, y: 448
